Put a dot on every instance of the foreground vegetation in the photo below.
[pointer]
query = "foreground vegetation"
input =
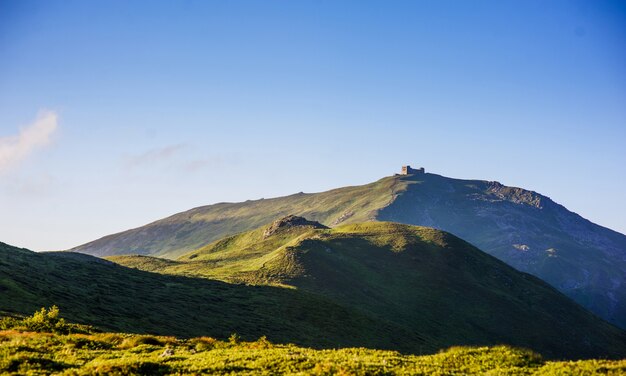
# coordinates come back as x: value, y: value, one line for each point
x: 44, y: 343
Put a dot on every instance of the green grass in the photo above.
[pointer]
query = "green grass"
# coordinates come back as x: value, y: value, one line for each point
x: 30, y: 353
x: 426, y: 281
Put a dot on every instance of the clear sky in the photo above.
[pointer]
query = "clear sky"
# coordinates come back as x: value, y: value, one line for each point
x: 117, y: 113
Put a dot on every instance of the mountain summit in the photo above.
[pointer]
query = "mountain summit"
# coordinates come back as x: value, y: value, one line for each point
x: 523, y: 228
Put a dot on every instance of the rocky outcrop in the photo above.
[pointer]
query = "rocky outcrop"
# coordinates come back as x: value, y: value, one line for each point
x: 290, y: 221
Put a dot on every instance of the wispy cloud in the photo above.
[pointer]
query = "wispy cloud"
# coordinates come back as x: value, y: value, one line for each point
x: 16, y: 148
x: 211, y: 162
x: 154, y: 155
x: 29, y: 186
x: 178, y: 157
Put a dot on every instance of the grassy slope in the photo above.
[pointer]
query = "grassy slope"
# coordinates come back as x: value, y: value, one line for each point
x: 94, y: 291
x: 422, y: 279
x: 109, y: 353
x: 184, y: 232
x: 233, y: 259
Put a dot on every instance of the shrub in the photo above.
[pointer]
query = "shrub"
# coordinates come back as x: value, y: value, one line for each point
x: 113, y: 339
x: 7, y: 323
x: 203, y: 343
x: 261, y: 343
x: 135, y: 341
x: 128, y: 367
x: 44, y: 321
x: 234, y: 339
x: 86, y: 342
x: 27, y: 362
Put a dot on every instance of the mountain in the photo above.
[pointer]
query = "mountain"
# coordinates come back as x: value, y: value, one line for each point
x: 529, y: 231
x: 426, y: 281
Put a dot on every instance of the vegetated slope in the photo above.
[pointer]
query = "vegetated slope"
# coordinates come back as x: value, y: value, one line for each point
x: 94, y: 291
x: 123, y: 354
x: 425, y: 280
x: 236, y: 258
x: 529, y: 231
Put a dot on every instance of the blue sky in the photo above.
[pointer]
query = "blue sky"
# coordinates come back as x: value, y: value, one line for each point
x: 117, y: 113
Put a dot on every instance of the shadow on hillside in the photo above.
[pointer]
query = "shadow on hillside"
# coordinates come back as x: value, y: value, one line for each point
x: 112, y: 297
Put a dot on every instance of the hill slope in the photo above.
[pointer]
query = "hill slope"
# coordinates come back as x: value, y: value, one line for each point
x: 94, y: 291
x: 529, y: 231
x: 425, y: 280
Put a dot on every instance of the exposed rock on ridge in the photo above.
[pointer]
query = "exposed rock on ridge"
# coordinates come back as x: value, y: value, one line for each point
x: 290, y: 221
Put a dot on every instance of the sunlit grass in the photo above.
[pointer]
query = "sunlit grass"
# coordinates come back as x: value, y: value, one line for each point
x: 123, y: 354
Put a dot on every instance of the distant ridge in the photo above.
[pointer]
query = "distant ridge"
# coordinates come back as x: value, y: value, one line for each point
x: 525, y: 229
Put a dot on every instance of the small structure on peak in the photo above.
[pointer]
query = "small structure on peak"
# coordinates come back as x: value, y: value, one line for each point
x: 407, y: 170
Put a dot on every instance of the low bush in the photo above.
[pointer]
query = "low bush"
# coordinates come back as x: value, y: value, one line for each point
x: 138, y: 340
x: 44, y: 320
x: 132, y: 367
x: 203, y: 343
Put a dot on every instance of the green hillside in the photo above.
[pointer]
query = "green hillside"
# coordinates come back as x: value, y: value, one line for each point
x: 236, y: 258
x: 421, y: 279
x: 529, y: 231
x: 53, y: 350
x: 94, y: 291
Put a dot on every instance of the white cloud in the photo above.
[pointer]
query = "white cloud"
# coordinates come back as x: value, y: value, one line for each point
x: 179, y: 158
x: 29, y: 186
x: 14, y: 149
x: 212, y: 162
